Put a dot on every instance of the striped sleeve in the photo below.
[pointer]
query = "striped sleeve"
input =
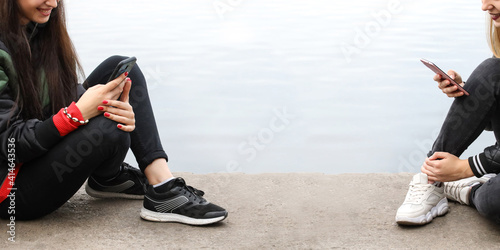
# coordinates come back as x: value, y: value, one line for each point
x: 478, y: 164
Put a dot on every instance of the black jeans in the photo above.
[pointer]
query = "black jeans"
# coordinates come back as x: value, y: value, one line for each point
x: 98, y: 148
x: 467, y: 118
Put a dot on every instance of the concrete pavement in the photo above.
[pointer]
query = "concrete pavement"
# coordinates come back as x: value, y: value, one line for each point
x: 266, y: 211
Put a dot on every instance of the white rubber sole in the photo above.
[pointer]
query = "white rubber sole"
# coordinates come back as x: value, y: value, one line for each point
x: 439, y: 210
x: 171, y: 217
x: 109, y: 195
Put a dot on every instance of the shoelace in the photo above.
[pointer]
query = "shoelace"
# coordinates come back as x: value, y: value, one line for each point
x: 417, y: 191
x: 196, y: 192
x: 127, y: 167
x: 453, y: 190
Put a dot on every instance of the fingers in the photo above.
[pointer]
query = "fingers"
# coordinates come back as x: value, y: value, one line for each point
x: 431, y: 165
x: 452, y: 74
x: 427, y: 170
x: 437, y: 78
x: 438, y: 155
x: 126, y: 128
x: 119, y: 81
x: 455, y: 94
x: 124, y: 123
x: 450, y: 90
x: 443, y: 166
x: 117, y: 91
x: 442, y: 84
x: 120, y: 112
x: 432, y: 169
x: 445, y: 85
x: 126, y: 91
x: 455, y: 76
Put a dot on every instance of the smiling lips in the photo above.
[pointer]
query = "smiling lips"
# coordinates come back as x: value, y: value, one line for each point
x: 494, y: 16
x: 45, y: 12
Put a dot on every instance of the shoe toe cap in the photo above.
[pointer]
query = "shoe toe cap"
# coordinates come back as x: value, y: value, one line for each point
x: 410, y: 210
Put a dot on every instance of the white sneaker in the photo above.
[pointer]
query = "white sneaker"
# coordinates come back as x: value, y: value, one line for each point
x: 423, y: 202
x: 460, y: 190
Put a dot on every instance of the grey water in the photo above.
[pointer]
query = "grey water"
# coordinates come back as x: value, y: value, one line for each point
x: 257, y: 86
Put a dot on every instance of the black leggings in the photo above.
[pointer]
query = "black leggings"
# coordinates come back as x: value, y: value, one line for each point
x: 98, y: 148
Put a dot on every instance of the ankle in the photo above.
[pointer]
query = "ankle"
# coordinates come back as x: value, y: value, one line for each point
x: 163, y: 182
x: 158, y: 171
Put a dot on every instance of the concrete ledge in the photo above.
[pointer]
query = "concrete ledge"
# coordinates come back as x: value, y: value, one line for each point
x: 282, y: 211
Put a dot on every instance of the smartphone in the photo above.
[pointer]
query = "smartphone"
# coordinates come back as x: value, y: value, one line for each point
x: 438, y: 71
x: 123, y: 66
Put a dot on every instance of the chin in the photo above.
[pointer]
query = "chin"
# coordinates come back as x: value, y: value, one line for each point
x: 40, y: 20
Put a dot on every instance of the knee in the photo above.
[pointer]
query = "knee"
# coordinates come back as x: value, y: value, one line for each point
x: 111, y: 62
x: 490, y: 62
x: 489, y: 69
x: 101, y: 132
x: 135, y: 74
x: 114, y: 60
x: 484, y: 81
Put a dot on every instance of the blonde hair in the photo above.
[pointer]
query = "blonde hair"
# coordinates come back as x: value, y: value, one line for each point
x: 493, y: 36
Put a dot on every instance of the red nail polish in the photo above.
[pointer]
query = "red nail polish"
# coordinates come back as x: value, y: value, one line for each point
x: 105, y: 102
x: 126, y: 73
x: 100, y: 108
x: 106, y: 114
x: 119, y: 126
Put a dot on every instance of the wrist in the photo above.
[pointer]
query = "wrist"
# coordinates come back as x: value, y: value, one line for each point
x: 466, y: 170
x: 74, y: 114
x: 81, y: 111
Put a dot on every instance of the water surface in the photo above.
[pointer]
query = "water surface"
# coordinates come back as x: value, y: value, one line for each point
x: 268, y: 86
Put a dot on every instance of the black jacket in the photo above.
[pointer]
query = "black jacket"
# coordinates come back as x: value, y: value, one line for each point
x: 33, y: 137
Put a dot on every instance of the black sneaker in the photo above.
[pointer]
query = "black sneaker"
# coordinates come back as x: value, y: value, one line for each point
x: 128, y: 184
x: 180, y: 203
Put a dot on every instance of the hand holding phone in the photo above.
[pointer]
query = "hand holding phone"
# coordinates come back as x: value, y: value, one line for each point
x: 443, y: 75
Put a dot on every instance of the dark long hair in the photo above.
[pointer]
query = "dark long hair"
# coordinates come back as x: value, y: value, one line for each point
x: 49, y: 52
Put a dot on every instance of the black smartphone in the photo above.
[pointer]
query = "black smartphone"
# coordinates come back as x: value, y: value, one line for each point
x: 438, y: 71
x: 125, y: 65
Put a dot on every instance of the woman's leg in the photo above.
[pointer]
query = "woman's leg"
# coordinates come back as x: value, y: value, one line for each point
x: 467, y: 118
x: 485, y: 197
x: 469, y: 115
x: 145, y: 140
x: 168, y: 200
x: 45, y: 184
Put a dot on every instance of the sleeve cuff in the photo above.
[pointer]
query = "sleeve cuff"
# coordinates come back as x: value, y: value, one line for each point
x: 476, y: 164
x: 65, y: 125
